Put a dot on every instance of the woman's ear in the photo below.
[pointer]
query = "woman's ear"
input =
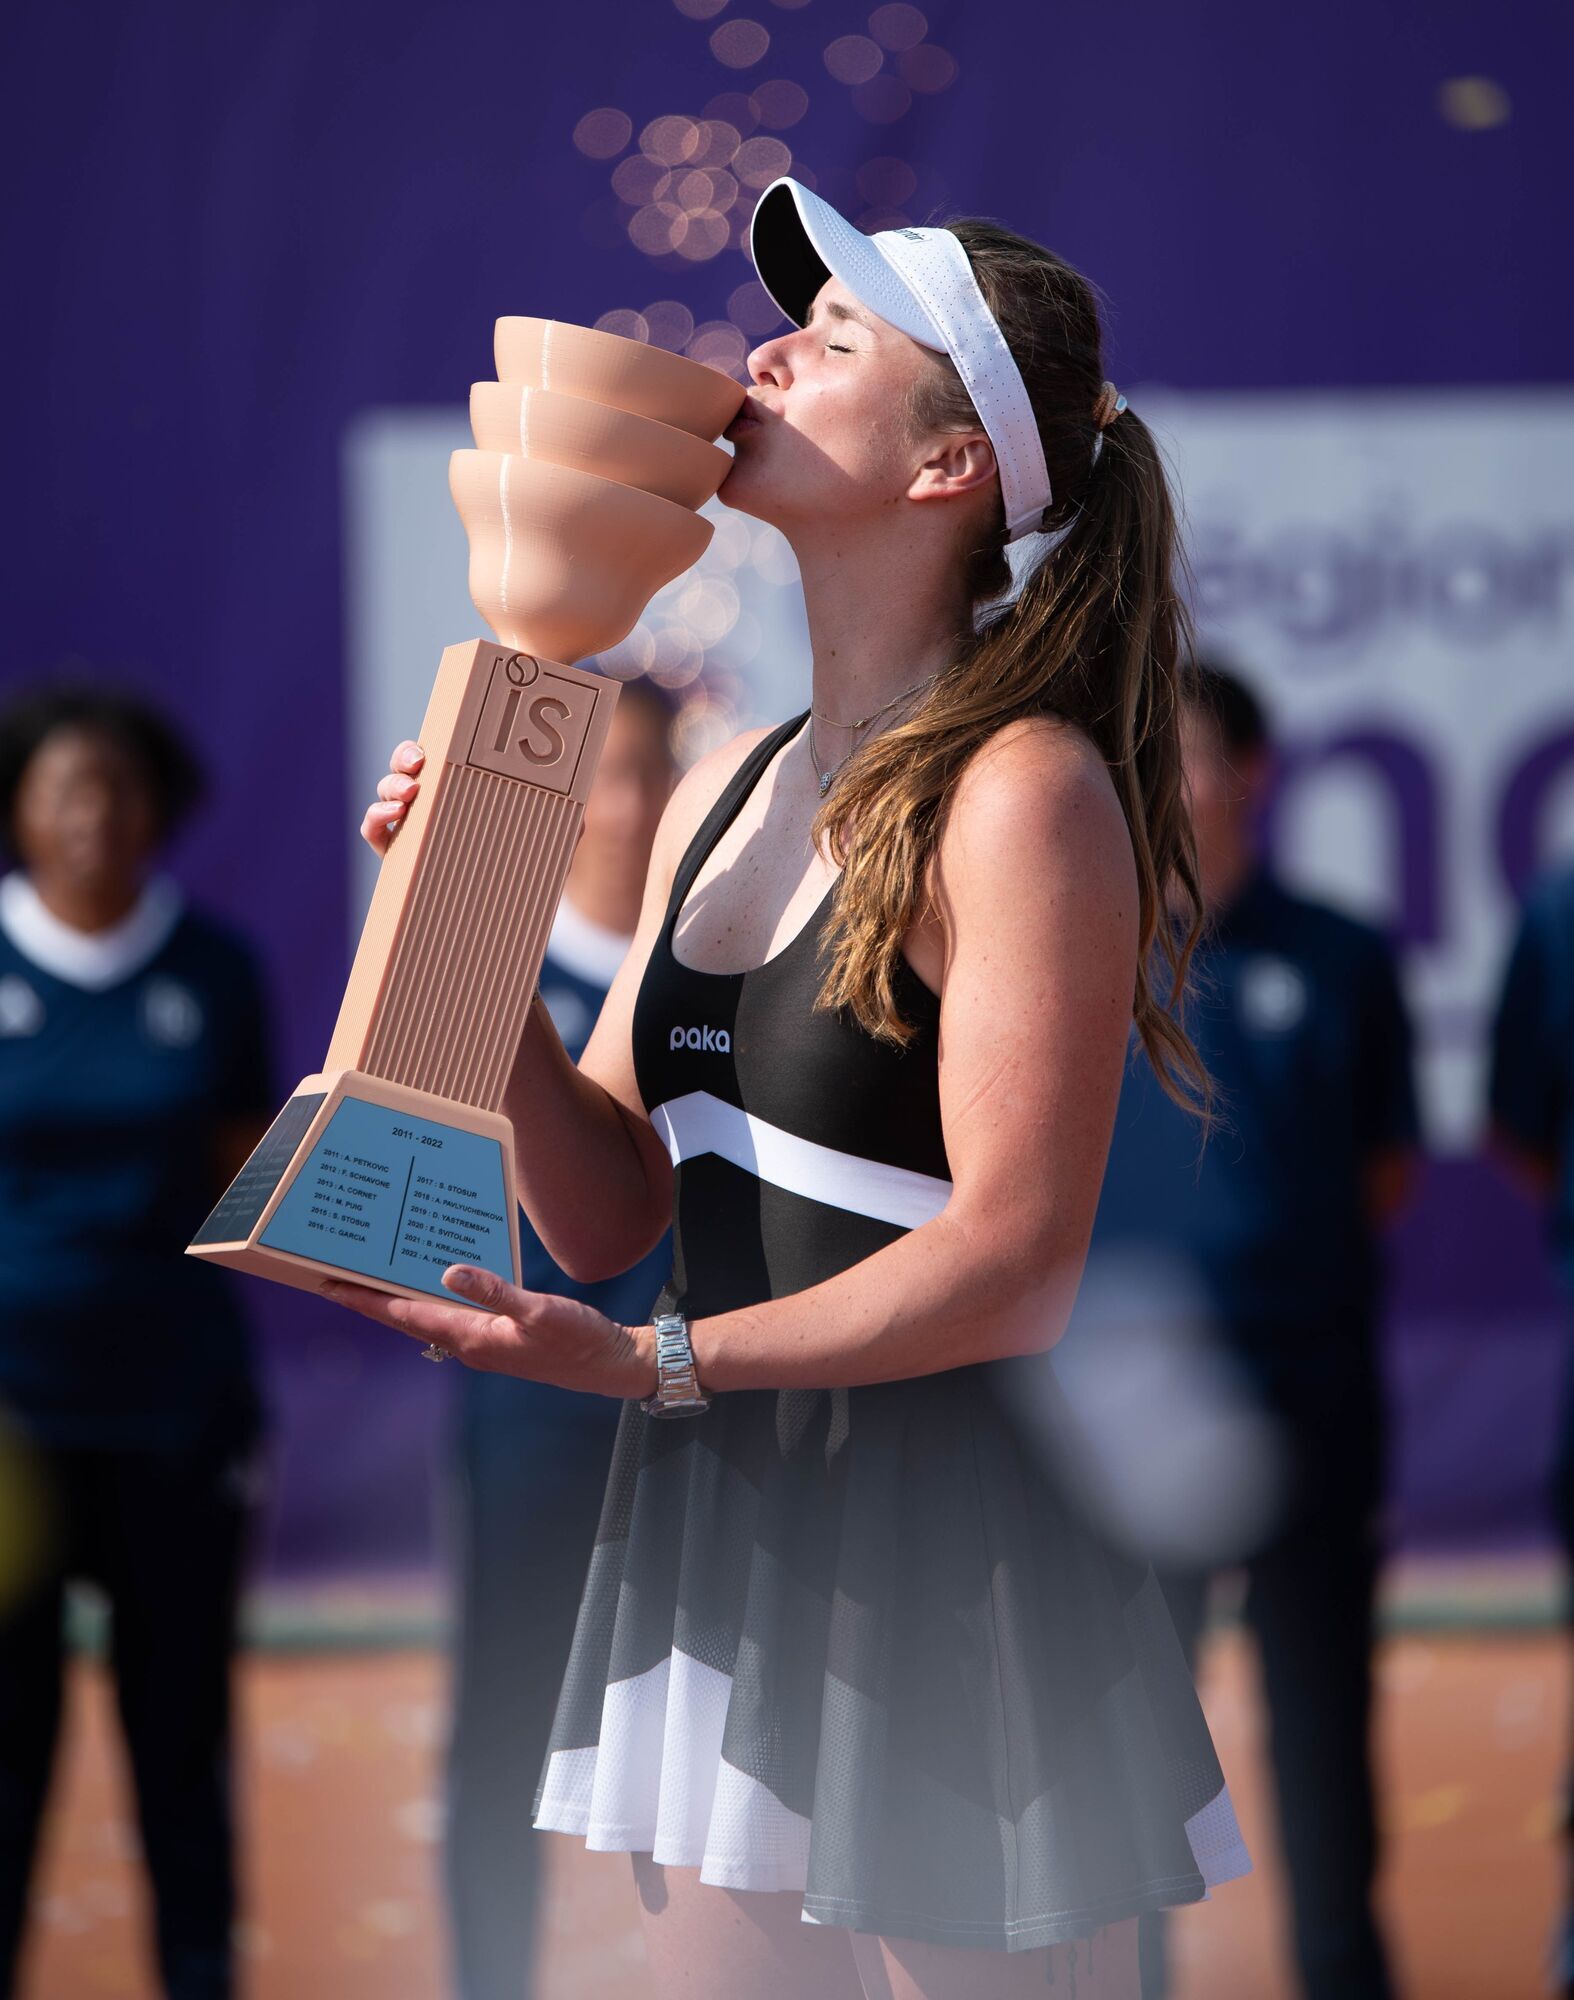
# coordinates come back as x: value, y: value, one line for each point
x: 957, y: 462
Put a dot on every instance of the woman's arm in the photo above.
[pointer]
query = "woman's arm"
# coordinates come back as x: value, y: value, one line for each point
x: 1036, y: 890
x: 590, y: 1172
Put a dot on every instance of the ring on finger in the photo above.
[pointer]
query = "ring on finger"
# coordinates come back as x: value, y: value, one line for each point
x: 432, y: 1352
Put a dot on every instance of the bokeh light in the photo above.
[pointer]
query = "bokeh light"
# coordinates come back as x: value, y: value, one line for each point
x: 719, y: 344
x: 702, y: 237
x: 640, y: 179
x: 853, y: 58
x: 687, y: 193
x: 740, y: 44
x: 745, y: 639
x: 898, y: 26
x: 1474, y: 103
x: 698, y: 634
x: 730, y: 544
x: 673, y: 140
x: 927, y: 68
x: 719, y: 140
x: 631, y: 325
x: 758, y: 162
x: 771, y: 556
x: 700, y: 10
x: 1148, y: 1422
x: 670, y: 324
x: 631, y: 656
x: 779, y: 103
x: 679, y: 656
x: 752, y: 308
x: 734, y: 108
x: 603, y: 133
x: 702, y: 724
x: 709, y: 607
x: 658, y: 228
x: 697, y: 191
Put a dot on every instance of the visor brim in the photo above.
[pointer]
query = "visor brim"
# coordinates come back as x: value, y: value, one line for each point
x: 798, y: 241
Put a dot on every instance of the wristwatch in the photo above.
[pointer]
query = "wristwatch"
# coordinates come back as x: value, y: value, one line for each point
x: 678, y: 1393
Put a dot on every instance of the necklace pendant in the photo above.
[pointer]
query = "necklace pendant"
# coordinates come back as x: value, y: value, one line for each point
x: 825, y: 782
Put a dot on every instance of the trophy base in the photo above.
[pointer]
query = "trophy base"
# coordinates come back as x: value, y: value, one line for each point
x: 373, y: 1181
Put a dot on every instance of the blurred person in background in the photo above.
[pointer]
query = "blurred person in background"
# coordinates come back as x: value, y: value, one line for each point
x: 1532, y: 1125
x: 134, y: 1081
x: 531, y: 1459
x: 1299, y: 1018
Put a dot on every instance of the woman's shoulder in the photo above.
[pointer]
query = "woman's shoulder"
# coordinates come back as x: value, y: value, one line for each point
x: 709, y: 776
x: 699, y: 790
x: 1035, y: 771
x: 1035, y: 821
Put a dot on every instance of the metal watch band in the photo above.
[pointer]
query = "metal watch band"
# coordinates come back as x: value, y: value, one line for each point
x: 678, y: 1393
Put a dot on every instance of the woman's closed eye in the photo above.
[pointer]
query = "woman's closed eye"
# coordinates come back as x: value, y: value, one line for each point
x: 833, y: 348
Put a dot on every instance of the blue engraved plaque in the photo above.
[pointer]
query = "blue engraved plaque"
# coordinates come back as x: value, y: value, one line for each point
x: 388, y: 1194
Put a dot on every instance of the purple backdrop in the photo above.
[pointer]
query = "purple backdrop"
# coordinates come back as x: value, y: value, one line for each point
x: 235, y: 227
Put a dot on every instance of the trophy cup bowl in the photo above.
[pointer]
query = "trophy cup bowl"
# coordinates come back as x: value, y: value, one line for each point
x: 606, y: 368
x: 396, y: 1160
x: 553, y: 429
x: 563, y: 562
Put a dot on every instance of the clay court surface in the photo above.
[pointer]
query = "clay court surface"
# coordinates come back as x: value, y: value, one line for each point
x: 343, y: 1819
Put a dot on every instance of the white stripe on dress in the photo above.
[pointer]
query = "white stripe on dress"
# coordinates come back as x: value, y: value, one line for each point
x: 658, y: 1784
x: 700, y: 1123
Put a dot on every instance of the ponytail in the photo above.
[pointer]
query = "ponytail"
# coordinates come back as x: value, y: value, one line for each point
x: 1096, y: 635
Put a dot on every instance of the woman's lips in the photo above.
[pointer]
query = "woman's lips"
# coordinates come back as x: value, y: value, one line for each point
x: 746, y: 420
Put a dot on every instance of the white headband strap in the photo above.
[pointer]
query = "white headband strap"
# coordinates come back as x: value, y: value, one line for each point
x: 940, y: 275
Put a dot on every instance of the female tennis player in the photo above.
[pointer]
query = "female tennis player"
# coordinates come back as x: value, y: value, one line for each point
x: 872, y: 1708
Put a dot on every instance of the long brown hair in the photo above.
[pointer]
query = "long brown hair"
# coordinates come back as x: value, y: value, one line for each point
x: 1097, y: 636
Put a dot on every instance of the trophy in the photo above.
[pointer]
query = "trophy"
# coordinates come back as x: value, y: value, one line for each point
x: 395, y: 1160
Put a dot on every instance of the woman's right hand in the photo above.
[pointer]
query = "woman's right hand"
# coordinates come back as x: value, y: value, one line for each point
x: 381, y: 821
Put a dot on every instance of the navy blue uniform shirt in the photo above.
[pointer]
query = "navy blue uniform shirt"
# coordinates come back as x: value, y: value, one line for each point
x: 1299, y: 1019
x: 112, y: 1093
x: 581, y: 960
x: 1533, y: 1048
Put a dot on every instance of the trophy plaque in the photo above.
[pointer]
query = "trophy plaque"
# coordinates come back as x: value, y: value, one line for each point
x: 395, y: 1160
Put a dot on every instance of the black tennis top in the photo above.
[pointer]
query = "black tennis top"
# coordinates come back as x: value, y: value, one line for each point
x: 800, y: 1143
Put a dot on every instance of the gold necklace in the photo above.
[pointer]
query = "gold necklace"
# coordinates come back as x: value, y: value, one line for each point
x: 862, y: 723
x: 824, y: 777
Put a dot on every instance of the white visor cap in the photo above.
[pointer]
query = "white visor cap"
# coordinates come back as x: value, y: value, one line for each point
x: 920, y: 280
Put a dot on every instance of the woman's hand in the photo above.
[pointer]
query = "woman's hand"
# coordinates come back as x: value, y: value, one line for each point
x: 508, y: 1331
x: 380, y: 822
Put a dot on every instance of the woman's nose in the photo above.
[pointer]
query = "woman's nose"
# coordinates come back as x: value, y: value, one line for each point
x: 768, y: 362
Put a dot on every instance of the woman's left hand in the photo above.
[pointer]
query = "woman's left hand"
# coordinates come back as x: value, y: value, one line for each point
x: 508, y: 1331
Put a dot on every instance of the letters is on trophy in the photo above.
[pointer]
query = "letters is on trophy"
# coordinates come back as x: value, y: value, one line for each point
x: 395, y: 1160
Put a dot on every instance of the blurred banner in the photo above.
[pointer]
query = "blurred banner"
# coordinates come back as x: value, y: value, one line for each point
x: 1395, y: 572
x: 255, y: 263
